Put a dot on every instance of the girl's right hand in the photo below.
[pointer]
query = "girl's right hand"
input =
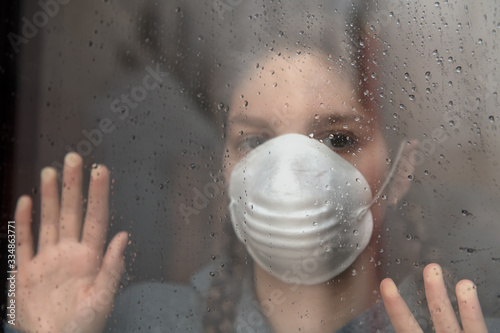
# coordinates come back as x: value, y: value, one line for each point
x: 68, y: 285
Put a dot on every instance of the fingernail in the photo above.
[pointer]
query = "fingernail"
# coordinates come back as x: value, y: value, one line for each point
x: 72, y: 159
x: 48, y: 173
x: 98, y: 169
x: 23, y: 200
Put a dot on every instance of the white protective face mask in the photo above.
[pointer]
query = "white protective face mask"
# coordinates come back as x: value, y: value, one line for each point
x: 301, y: 210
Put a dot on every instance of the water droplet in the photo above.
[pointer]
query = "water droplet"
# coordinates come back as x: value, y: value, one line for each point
x: 465, y: 212
x: 458, y: 69
x: 469, y: 250
x: 492, y: 119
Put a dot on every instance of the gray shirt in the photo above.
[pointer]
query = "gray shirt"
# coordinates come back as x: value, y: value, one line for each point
x: 164, y: 307
x: 161, y: 307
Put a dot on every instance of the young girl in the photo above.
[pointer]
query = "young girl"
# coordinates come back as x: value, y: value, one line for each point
x: 306, y: 163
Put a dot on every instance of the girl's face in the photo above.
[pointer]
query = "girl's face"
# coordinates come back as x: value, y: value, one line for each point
x: 305, y: 94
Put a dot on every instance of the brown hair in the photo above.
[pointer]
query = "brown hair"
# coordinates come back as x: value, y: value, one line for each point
x: 225, y: 291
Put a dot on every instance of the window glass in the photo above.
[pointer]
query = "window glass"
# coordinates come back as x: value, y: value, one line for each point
x: 268, y: 164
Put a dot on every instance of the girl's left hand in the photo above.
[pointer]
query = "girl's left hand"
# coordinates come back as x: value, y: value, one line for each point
x: 442, y: 313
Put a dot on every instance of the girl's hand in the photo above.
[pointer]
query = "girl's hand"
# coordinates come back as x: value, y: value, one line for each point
x: 442, y: 313
x: 68, y: 285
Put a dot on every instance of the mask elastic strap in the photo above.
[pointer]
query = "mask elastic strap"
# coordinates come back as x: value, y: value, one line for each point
x: 387, y: 179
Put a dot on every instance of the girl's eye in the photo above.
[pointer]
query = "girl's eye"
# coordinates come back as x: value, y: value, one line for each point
x: 340, y: 140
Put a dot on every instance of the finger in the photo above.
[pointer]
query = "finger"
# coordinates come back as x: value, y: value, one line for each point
x: 469, y: 307
x: 22, y: 217
x: 71, y: 200
x: 401, y: 317
x: 50, y: 209
x: 112, y: 267
x: 442, y: 313
x: 96, y: 219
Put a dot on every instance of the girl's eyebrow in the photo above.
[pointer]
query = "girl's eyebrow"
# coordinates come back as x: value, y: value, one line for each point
x: 328, y: 118
x: 341, y: 118
x: 257, y: 122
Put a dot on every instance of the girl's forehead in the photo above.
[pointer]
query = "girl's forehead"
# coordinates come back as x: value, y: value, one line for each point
x: 295, y: 74
x: 297, y: 84
x: 311, y: 67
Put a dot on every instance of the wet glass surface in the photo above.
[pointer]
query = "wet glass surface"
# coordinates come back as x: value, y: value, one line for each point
x: 171, y: 96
